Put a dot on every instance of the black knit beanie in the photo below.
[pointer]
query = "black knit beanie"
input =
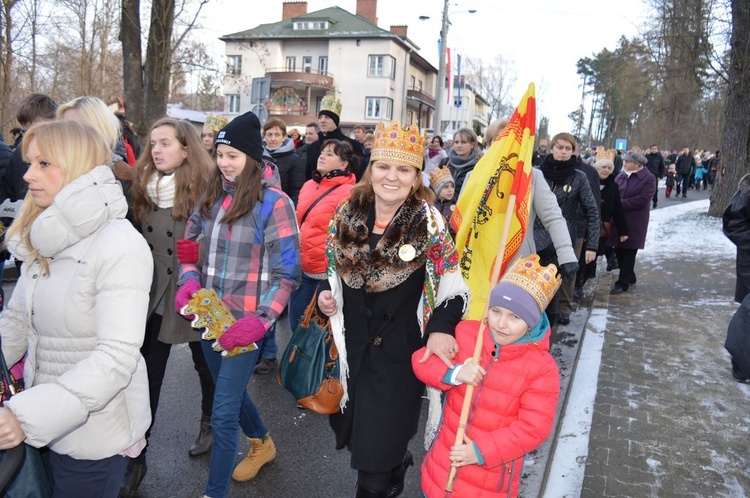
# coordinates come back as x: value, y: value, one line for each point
x: 332, y: 115
x: 243, y: 133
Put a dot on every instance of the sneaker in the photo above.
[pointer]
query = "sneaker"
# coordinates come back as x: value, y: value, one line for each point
x: 563, y: 319
x: 578, y: 293
x: 260, y: 454
x: 265, y: 366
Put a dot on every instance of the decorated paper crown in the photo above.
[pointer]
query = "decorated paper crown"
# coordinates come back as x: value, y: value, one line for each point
x: 331, y: 104
x: 439, y: 177
x: 602, y: 153
x: 215, y: 122
x: 393, y: 143
x: 541, y: 282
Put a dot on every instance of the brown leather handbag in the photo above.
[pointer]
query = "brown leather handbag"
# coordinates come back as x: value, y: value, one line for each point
x: 309, y: 367
x: 605, y: 229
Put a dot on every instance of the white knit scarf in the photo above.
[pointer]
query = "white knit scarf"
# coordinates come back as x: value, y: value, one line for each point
x: 161, y: 190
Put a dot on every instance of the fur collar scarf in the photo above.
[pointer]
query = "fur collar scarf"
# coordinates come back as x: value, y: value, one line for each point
x: 381, y: 268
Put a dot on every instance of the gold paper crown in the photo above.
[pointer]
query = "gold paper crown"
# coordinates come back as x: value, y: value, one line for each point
x: 393, y: 143
x: 602, y: 153
x: 215, y: 122
x: 331, y: 104
x: 438, y: 176
x: 541, y: 282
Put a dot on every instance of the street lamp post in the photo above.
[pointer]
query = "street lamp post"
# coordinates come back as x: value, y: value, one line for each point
x: 437, y: 124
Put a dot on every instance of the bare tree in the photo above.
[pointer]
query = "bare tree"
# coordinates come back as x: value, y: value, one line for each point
x: 6, y: 59
x: 735, y: 146
x: 493, y: 81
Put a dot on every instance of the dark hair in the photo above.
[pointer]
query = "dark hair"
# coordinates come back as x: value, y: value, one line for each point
x: 35, y: 107
x: 439, y: 139
x: 248, y: 191
x: 313, y: 124
x: 344, y: 151
x: 652, y: 145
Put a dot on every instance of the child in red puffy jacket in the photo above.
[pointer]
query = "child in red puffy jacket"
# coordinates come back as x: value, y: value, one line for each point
x: 517, y: 385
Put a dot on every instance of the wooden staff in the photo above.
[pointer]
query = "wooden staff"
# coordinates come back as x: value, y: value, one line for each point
x: 461, y: 432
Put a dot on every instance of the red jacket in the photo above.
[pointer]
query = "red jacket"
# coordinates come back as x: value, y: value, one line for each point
x: 312, y: 233
x: 512, y: 412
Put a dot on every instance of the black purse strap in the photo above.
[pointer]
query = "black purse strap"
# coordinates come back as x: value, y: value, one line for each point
x: 5, y: 378
x: 304, y: 216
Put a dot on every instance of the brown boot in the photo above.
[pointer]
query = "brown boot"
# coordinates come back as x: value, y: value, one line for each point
x: 205, y: 439
x: 261, y: 452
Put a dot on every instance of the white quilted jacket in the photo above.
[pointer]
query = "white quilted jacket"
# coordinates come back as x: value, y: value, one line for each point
x: 83, y: 324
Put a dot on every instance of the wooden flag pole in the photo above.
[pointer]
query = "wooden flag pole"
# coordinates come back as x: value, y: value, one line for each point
x: 461, y: 431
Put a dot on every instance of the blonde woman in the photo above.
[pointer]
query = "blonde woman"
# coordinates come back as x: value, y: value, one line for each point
x: 94, y: 112
x: 78, y: 313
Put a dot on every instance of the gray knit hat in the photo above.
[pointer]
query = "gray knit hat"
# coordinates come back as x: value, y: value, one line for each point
x: 634, y: 156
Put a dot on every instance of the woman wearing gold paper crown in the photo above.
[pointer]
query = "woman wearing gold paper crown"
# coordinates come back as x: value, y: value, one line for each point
x: 517, y: 389
x: 252, y: 262
x: 393, y: 286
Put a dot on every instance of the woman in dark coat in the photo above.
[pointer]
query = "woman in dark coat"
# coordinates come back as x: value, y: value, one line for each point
x: 393, y: 286
x: 637, y: 186
x: 736, y: 223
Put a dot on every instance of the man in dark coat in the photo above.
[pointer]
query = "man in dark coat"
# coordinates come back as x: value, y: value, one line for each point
x: 736, y: 225
x: 738, y: 342
x: 655, y: 165
x: 685, y: 165
x: 328, y: 120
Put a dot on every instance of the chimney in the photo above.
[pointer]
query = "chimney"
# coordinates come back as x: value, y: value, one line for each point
x: 399, y: 30
x: 293, y: 9
x: 369, y: 10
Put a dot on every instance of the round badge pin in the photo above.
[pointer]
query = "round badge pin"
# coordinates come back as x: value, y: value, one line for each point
x: 407, y: 252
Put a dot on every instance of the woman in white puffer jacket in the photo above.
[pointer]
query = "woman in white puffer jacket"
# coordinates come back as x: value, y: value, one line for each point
x: 78, y: 313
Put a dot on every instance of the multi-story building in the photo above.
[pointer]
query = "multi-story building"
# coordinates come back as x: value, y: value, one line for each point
x: 468, y: 109
x: 284, y: 69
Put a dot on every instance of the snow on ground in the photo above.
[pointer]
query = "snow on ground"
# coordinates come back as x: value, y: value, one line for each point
x: 682, y: 229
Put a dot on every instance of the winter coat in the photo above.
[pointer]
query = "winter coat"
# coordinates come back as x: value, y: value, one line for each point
x: 670, y: 181
x: 736, y: 225
x: 655, y: 164
x: 636, y: 193
x: 385, y: 313
x: 254, y: 265
x: 544, y: 207
x: 512, y: 414
x: 12, y: 184
x: 446, y: 208
x: 313, y: 152
x: 291, y: 168
x: 82, y: 324
x: 685, y: 164
x: 460, y: 169
x: 612, y: 206
x: 593, y: 177
x: 738, y: 337
x: 312, y: 233
x: 570, y: 194
x: 161, y: 232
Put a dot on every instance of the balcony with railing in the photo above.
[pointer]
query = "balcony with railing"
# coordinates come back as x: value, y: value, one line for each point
x: 307, y: 77
x: 418, y: 95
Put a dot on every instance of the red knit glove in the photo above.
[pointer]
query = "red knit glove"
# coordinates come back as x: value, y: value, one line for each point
x: 185, y: 294
x: 243, y: 332
x: 187, y: 251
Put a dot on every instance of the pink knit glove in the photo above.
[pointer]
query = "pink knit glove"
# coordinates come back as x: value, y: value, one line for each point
x: 243, y: 332
x: 185, y: 294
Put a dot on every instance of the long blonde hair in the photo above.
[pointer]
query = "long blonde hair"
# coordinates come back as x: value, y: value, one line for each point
x: 96, y: 113
x: 76, y: 148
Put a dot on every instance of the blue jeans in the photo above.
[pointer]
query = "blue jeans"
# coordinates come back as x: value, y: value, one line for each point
x: 231, y: 403
x: 269, y: 348
x: 300, y: 299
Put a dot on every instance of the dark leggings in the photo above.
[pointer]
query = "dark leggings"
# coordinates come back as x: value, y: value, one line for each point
x: 156, y: 354
x: 374, y: 481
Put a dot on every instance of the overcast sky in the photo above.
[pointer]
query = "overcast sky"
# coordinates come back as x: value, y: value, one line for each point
x: 543, y: 39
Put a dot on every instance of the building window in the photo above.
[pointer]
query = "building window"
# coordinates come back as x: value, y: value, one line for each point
x: 382, y: 66
x: 233, y: 104
x: 413, y: 83
x: 306, y: 64
x: 379, y: 108
x: 291, y: 64
x: 323, y: 65
x: 410, y: 119
x: 419, y: 85
x: 234, y: 65
x: 303, y: 25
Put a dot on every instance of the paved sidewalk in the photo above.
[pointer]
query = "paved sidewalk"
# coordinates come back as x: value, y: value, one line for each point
x: 668, y: 418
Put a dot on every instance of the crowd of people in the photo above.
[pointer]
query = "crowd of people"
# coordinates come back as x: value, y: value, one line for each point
x: 115, y: 241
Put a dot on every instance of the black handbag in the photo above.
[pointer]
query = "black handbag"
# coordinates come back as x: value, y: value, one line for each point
x: 22, y: 471
x: 309, y: 367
